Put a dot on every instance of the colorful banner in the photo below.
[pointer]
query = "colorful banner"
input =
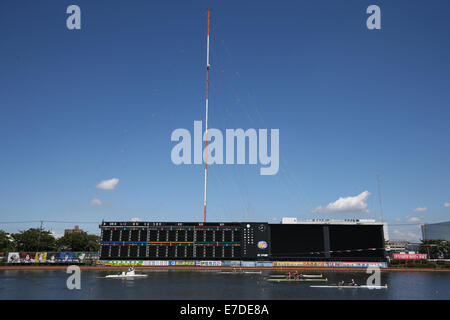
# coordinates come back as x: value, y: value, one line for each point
x: 264, y: 263
x: 208, y: 263
x: 248, y: 263
x: 52, y: 257
x: 330, y: 264
x: 123, y: 263
x: 409, y: 256
x: 40, y: 257
x: 231, y: 263
x: 156, y: 263
x: 80, y: 256
x: 66, y: 257
x: 27, y: 257
x: 13, y: 257
x: 299, y: 264
x: 337, y: 264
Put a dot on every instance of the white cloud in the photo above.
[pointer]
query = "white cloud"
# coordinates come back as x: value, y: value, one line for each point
x: 96, y: 202
x: 405, y: 235
x: 420, y: 209
x: 348, y: 204
x: 447, y: 204
x: 108, y: 184
x: 413, y: 219
x: 56, y: 235
x: 136, y: 219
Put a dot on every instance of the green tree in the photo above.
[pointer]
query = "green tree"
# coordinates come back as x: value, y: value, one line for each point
x: 78, y: 241
x: 436, y: 249
x: 34, y: 239
x: 6, y: 243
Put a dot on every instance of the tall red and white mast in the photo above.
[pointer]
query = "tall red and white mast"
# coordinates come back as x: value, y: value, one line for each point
x: 206, y: 120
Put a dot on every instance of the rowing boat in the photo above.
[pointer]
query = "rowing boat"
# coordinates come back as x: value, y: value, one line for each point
x: 126, y: 276
x: 302, y: 276
x: 298, y: 280
x: 353, y: 287
x: 239, y: 272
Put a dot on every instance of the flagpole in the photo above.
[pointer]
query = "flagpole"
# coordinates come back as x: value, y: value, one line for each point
x: 206, y: 118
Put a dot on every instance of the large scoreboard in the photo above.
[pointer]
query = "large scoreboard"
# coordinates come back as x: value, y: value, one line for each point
x: 184, y: 240
x: 241, y: 241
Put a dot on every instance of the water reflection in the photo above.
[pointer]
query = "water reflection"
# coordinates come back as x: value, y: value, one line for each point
x: 213, y: 285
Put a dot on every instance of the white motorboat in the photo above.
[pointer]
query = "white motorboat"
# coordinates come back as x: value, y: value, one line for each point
x: 128, y: 274
x: 352, y: 287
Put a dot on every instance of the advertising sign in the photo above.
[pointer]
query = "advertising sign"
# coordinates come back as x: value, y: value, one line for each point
x: 52, y: 257
x: 248, y: 263
x: 231, y: 263
x: 156, y: 263
x: 181, y: 263
x: 409, y: 256
x: 208, y: 263
x: 27, y: 257
x: 123, y: 263
x: 355, y: 264
x: 264, y: 263
x: 40, y: 257
x: 66, y: 257
x: 80, y: 256
x: 299, y: 264
x: 13, y: 257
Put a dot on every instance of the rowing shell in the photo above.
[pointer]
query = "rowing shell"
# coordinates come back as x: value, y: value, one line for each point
x: 297, y: 280
x: 240, y: 272
x: 302, y: 276
x: 353, y: 287
x: 126, y: 276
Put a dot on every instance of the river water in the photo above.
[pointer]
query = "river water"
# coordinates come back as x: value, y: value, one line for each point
x: 212, y: 285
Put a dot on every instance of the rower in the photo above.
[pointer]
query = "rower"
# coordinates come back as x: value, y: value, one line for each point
x: 289, y: 275
x: 296, y: 275
x: 352, y: 283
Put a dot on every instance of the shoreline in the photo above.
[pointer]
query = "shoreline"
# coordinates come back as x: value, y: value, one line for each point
x: 211, y: 268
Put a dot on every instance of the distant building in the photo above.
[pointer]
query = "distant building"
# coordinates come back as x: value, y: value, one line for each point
x: 76, y: 229
x: 397, y: 246
x: 403, y: 250
x: 436, y: 231
x: 402, y: 246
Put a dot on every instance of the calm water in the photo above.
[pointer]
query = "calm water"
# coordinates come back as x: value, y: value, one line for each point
x: 211, y: 285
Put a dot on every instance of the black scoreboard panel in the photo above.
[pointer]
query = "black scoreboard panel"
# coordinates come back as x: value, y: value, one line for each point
x: 356, y: 241
x: 294, y: 241
x: 342, y: 242
x: 174, y: 241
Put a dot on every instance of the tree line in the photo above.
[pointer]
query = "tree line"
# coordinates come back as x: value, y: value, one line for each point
x: 435, y: 249
x: 35, y: 240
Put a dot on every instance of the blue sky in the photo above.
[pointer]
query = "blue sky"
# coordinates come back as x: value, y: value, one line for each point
x: 80, y: 107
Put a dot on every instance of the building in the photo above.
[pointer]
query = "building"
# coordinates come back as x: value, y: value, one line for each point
x: 436, y: 231
x: 399, y: 247
x: 76, y: 229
